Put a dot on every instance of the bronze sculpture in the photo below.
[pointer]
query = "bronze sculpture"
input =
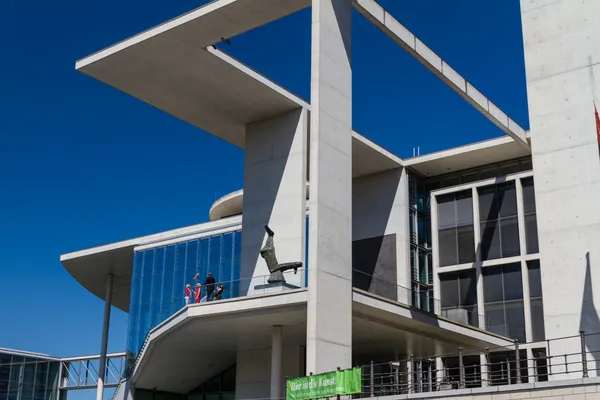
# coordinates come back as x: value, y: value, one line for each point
x: 276, y: 269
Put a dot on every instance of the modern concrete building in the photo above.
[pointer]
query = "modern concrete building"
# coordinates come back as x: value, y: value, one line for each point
x: 404, y: 260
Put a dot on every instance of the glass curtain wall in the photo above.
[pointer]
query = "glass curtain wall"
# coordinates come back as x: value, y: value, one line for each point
x: 503, y: 292
x: 160, y: 275
x: 28, y: 378
x: 421, y: 263
x: 459, y: 296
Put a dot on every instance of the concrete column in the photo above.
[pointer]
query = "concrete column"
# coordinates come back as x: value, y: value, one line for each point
x: 524, y: 269
x: 410, y: 378
x: 329, y: 320
x: 276, y: 354
x: 104, y: 344
x: 485, y: 378
x: 563, y: 81
x: 435, y: 255
x: 477, y: 237
x: 274, y: 195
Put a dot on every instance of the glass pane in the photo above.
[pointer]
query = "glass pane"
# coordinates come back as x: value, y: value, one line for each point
x: 490, y: 240
x: 507, y: 169
x: 167, y: 286
x: 203, y: 253
x: 509, y: 237
x: 237, y: 251
x: 448, y: 247
x: 446, y: 211
x: 214, y: 256
x: 138, y: 260
x: 148, y: 262
x: 468, y: 288
x: 422, y: 267
x: 531, y: 234
x: 515, y: 319
x: 535, y: 281
x: 492, y: 284
x: 488, y: 203
x: 507, y: 199
x: 466, y: 244
x: 449, y: 290
x: 513, y: 282
x: 180, y: 256
x: 528, y: 195
x: 464, y: 208
x: 192, y: 255
x: 537, y: 320
x: 227, y: 247
x: 178, y: 285
x: 494, y: 318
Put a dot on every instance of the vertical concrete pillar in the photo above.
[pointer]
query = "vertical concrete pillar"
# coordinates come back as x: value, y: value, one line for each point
x: 483, y: 324
x: 485, y: 377
x: 274, y: 195
x: 276, y: 354
x: 329, y: 320
x: 104, y: 344
x: 563, y: 81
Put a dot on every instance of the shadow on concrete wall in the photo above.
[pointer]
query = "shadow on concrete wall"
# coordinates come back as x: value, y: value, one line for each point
x: 589, y: 321
x: 374, y: 254
x: 262, y: 181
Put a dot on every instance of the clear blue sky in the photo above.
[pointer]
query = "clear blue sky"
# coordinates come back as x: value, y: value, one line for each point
x: 82, y: 164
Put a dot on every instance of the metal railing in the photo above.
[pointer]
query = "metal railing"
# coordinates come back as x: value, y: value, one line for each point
x: 232, y: 289
x: 82, y: 372
x: 507, y: 365
x: 422, y: 301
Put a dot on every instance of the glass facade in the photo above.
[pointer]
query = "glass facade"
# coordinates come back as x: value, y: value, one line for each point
x: 455, y: 228
x: 503, y: 292
x: 25, y: 377
x: 459, y: 296
x: 160, y: 275
x: 421, y: 263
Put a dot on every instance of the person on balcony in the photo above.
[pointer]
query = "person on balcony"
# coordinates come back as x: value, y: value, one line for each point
x: 219, y: 292
x: 188, y: 294
x: 209, y: 284
x: 198, y: 293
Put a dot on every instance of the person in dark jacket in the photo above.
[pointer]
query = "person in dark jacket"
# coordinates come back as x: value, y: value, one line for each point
x: 209, y: 284
x: 219, y: 292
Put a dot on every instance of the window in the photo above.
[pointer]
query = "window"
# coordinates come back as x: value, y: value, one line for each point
x: 459, y: 297
x: 529, y: 209
x: 499, y: 223
x: 536, y: 303
x: 503, y: 299
x: 455, y: 228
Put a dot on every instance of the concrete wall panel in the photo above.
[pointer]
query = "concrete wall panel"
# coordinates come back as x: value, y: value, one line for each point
x: 563, y: 81
x: 274, y: 194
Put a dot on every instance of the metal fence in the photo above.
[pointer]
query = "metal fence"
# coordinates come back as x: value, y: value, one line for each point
x: 508, y: 365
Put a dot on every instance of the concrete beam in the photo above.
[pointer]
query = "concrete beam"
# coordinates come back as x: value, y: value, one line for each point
x: 389, y: 25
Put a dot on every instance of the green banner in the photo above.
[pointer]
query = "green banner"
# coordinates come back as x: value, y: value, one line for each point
x: 347, y: 381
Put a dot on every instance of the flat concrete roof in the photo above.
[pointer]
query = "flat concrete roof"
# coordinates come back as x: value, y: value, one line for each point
x: 466, y: 157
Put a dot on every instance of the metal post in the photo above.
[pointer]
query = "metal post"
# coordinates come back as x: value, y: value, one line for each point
x: 104, y: 344
x: 338, y: 396
x: 517, y: 361
x: 410, y: 370
x: 429, y: 376
x: 549, y: 358
x: 583, y: 355
x: 461, y: 369
x: 372, y: 380
x: 276, y: 361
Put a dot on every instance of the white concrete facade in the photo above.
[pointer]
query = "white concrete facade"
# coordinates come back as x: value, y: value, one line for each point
x: 562, y: 59
x: 275, y: 195
x: 329, y: 321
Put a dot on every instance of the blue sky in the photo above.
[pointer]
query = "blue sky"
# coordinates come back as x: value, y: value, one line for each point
x: 82, y: 164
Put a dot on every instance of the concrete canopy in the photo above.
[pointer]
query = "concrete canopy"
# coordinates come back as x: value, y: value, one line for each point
x: 380, y: 328
x: 465, y: 157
